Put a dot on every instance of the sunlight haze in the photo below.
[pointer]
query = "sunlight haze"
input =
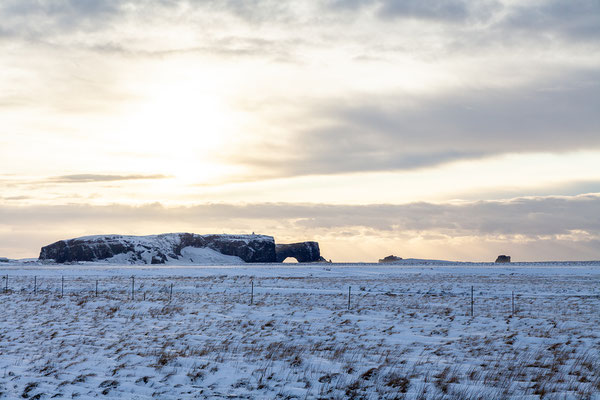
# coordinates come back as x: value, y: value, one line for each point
x: 458, y: 130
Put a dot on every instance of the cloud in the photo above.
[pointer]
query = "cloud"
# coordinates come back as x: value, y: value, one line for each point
x: 343, y: 131
x: 39, y: 20
x: 85, y: 178
x: 34, y: 19
x: 402, y: 131
x: 75, y: 178
x: 436, y: 10
x: 532, y: 217
x: 578, y: 20
x: 537, y: 227
x: 454, y: 10
x: 15, y: 198
x: 491, y: 20
x: 449, y: 11
x: 224, y: 47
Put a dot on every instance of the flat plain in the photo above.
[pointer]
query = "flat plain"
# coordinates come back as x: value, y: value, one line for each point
x: 330, y: 331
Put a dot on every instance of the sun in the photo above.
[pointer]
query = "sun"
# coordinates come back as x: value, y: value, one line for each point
x: 179, y: 128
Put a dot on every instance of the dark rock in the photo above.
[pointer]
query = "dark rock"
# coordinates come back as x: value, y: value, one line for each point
x: 85, y: 249
x: 503, y: 259
x: 159, y: 259
x: 389, y: 259
x: 303, y: 252
x: 250, y: 248
x: 3, y: 259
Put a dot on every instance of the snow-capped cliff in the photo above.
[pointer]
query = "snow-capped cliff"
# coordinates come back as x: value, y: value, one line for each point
x: 163, y: 249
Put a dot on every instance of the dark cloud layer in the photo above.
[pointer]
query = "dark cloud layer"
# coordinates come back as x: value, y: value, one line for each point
x: 84, y: 178
x: 571, y: 20
x: 73, y: 179
x: 452, y: 11
x: 35, y: 19
x: 401, y: 132
x: 577, y: 20
x: 543, y: 228
x: 529, y: 217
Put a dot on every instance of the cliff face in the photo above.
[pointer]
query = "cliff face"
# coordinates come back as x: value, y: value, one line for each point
x: 159, y: 249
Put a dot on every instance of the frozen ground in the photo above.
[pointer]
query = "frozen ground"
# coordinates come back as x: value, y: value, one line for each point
x: 408, y: 332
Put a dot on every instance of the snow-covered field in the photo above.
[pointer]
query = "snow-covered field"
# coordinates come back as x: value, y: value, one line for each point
x: 408, y: 332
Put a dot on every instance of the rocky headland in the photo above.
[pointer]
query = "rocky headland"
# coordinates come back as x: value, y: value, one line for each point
x: 178, y: 247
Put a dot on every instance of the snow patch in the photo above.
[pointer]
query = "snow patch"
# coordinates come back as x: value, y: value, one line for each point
x: 204, y: 255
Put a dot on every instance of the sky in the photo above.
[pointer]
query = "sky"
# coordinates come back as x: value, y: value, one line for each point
x: 452, y: 129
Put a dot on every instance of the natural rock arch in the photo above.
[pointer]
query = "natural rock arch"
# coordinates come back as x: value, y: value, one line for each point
x: 303, y: 252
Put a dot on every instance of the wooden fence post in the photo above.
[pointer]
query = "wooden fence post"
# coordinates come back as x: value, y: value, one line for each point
x: 349, y: 288
x: 513, y: 302
x: 472, y: 300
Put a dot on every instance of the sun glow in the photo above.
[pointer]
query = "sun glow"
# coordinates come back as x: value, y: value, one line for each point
x: 179, y: 130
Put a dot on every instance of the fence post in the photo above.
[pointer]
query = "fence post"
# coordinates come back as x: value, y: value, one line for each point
x: 6, y: 284
x: 62, y: 286
x: 171, y: 292
x: 513, y: 302
x: 35, y: 285
x: 349, y: 288
x: 132, y: 288
x: 96, y: 287
x: 471, y: 301
x: 252, y: 293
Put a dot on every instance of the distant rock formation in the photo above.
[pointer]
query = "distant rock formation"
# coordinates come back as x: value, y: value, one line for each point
x: 503, y: 259
x: 303, y: 252
x: 177, y: 247
x: 390, y: 259
x: 3, y: 259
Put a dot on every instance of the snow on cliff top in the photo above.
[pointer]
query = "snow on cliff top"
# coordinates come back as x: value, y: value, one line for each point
x: 170, y: 237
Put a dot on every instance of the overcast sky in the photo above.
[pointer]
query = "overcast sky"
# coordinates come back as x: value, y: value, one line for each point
x: 432, y: 129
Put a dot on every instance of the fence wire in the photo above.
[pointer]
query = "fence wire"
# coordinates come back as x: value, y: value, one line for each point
x: 331, y: 294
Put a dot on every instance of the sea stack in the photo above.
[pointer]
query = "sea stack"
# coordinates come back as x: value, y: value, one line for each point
x: 390, y: 259
x: 503, y: 259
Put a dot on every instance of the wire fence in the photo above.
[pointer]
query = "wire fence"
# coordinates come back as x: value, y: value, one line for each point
x: 464, y: 300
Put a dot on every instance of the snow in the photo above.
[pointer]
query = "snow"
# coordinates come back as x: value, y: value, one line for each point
x: 408, y: 333
x: 169, y: 238
x: 189, y: 256
x: 205, y: 255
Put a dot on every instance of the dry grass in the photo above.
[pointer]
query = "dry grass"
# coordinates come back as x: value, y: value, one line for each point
x: 403, y: 339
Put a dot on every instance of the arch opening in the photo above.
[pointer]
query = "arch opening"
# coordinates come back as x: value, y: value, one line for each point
x: 291, y: 260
